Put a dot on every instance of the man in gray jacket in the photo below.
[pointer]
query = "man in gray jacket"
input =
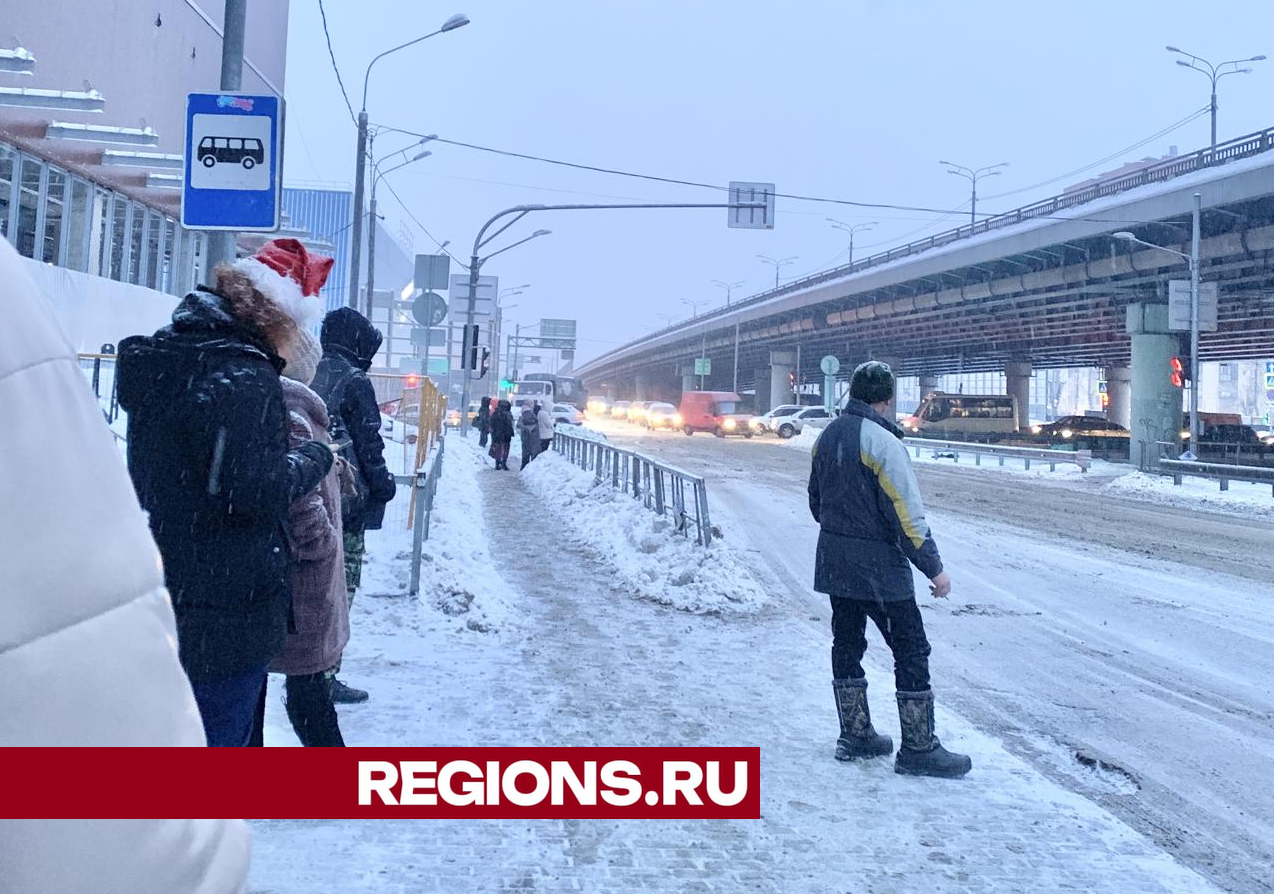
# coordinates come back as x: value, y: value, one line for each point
x: 864, y: 495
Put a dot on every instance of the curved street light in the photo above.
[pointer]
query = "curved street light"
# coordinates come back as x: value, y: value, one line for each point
x: 851, y: 229
x: 973, y: 175
x: 456, y: 21
x: 371, y: 232
x: 729, y: 288
x: 779, y: 264
x: 1214, y: 73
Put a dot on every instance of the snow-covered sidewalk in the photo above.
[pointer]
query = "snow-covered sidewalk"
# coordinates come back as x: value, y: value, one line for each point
x: 584, y: 658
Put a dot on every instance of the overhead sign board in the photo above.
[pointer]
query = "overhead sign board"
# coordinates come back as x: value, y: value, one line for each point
x: 751, y: 205
x: 233, y: 162
x: 703, y: 366
x: 557, y: 334
x: 1179, y: 305
x: 432, y: 272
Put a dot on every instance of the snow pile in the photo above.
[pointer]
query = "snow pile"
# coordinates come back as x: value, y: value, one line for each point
x: 1244, y: 497
x: 647, y: 555
x: 458, y: 579
x: 580, y: 431
x: 805, y: 439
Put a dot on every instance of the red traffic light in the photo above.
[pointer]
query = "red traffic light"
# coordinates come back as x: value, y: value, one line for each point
x: 413, y: 381
x: 1178, y: 373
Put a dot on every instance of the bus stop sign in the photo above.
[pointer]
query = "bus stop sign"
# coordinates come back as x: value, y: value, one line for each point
x: 232, y: 171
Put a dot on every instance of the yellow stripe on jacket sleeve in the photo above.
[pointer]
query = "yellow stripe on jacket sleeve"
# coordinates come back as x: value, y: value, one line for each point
x: 909, y: 527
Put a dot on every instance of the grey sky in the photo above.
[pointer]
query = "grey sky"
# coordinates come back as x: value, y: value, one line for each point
x: 853, y: 100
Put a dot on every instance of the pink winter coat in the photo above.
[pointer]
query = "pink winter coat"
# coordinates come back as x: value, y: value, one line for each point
x: 318, y: 570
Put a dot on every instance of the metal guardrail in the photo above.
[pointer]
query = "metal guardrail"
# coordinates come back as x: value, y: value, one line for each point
x: 424, y: 487
x: 1223, y: 474
x: 1241, y: 147
x: 664, y: 489
x: 1054, y: 458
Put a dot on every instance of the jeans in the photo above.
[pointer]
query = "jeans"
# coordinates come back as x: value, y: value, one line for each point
x: 901, y: 626
x: 228, y: 707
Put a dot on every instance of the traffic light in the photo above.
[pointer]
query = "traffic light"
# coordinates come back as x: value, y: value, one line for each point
x: 1178, y: 373
x: 413, y: 381
x: 485, y: 363
x: 1105, y: 401
x: 791, y: 380
x: 470, y: 351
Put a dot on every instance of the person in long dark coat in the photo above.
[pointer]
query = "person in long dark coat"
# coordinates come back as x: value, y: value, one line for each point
x: 350, y: 342
x: 529, y: 433
x: 501, y: 434
x: 482, y: 422
x: 208, y: 455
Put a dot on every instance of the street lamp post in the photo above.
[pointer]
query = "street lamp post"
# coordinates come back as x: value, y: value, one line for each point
x: 360, y: 163
x: 1193, y: 259
x: 729, y: 288
x: 703, y: 345
x: 973, y: 175
x: 371, y: 231
x: 851, y: 229
x: 1214, y: 73
x: 779, y: 264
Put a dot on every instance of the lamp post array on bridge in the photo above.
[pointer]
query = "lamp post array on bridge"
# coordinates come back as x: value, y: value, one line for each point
x: 851, y: 229
x: 729, y: 288
x: 1193, y: 259
x: 1213, y: 73
x: 973, y: 175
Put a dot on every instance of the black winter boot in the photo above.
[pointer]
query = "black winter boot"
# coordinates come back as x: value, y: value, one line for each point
x: 921, y: 753
x: 309, y: 707
x: 858, y: 738
x: 346, y: 695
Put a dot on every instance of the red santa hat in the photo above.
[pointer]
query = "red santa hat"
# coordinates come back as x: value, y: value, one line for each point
x: 288, y: 275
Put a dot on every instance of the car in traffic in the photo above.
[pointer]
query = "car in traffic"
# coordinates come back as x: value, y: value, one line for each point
x: 619, y: 409
x: 565, y: 414
x: 943, y: 413
x: 769, y: 421
x: 789, y: 426
x: 598, y: 408
x: 452, y: 419
x: 1069, y: 427
x: 637, y: 411
x: 662, y: 415
x: 719, y: 412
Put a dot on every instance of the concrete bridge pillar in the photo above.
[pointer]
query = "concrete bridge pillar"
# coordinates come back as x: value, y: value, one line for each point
x: 1017, y: 384
x: 641, y: 387
x: 1156, y: 403
x: 1119, y: 395
x: 689, y: 381
x: 762, y: 401
x: 782, y: 365
x: 928, y: 382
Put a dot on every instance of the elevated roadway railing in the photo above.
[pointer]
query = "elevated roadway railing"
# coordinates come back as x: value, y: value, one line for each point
x: 1221, y: 473
x: 1241, y: 147
x: 664, y: 489
x: 1054, y: 458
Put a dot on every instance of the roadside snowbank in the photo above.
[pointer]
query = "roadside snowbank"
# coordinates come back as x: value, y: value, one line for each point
x: 580, y: 431
x: 458, y: 581
x: 645, y: 552
x: 1244, y: 497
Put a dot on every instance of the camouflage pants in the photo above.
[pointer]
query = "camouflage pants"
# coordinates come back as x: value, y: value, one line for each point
x: 355, y: 546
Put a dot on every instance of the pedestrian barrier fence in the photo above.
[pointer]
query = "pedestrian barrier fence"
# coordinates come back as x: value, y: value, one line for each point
x: 99, y: 369
x: 414, y: 410
x: 1081, y: 458
x: 664, y: 489
x: 1223, y: 474
x: 424, y: 487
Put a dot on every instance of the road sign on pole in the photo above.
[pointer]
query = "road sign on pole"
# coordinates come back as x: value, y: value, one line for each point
x: 703, y: 366
x: 233, y: 164
x: 1179, y: 305
x: 432, y: 272
x: 744, y: 197
x: 829, y: 365
x: 429, y: 309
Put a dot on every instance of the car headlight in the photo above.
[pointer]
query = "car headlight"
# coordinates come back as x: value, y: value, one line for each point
x: 1185, y: 433
x: 1066, y: 433
x: 730, y: 423
x: 1037, y: 429
x: 676, y: 419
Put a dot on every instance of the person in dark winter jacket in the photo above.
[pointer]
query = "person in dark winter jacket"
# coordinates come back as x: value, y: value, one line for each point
x: 208, y: 455
x: 350, y: 342
x: 529, y: 433
x: 482, y: 422
x: 864, y: 495
x: 501, y: 434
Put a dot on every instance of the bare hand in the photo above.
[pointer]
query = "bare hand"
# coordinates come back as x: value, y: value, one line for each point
x: 940, y: 586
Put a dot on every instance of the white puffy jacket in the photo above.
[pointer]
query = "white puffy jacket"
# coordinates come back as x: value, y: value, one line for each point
x: 88, y: 651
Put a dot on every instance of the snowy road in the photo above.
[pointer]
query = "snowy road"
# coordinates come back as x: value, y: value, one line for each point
x: 1129, y: 632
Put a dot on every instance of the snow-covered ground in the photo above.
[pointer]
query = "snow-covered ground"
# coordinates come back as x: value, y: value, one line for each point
x: 589, y: 664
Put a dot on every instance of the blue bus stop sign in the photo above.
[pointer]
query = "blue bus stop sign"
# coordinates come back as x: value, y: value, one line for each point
x: 233, y: 162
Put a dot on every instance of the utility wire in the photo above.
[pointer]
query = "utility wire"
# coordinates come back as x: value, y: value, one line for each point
x: 336, y: 68
x: 417, y: 222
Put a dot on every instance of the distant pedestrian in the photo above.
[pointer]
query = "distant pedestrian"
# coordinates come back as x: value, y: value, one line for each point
x: 319, y: 606
x: 501, y: 434
x: 482, y: 421
x: 864, y: 495
x: 350, y: 342
x: 545, y: 419
x: 209, y: 457
x: 529, y: 433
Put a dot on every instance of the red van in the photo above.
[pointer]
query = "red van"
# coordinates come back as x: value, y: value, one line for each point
x: 714, y: 411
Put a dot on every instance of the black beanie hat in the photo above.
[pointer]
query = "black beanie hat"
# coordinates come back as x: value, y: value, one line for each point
x: 872, y: 382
